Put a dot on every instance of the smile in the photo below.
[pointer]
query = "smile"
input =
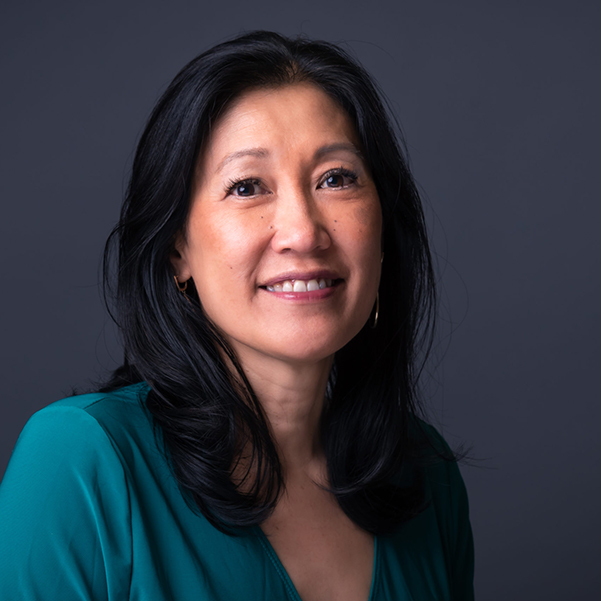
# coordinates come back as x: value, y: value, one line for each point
x: 301, y: 285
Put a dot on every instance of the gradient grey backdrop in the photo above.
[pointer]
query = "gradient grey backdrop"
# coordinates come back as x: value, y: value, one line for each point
x: 499, y: 102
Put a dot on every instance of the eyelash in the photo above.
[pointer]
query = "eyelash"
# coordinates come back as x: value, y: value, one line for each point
x: 233, y: 184
x: 339, y: 171
x: 351, y: 175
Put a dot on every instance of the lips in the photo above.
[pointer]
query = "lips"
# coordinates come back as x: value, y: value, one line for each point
x: 300, y: 285
x: 298, y: 282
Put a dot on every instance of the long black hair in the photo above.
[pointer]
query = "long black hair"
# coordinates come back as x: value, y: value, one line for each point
x: 205, y: 414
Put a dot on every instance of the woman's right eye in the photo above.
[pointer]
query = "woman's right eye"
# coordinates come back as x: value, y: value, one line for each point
x: 245, y: 188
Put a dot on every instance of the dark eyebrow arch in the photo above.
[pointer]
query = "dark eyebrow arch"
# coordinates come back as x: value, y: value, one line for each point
x: 260, y: 153
x: 332, y: 148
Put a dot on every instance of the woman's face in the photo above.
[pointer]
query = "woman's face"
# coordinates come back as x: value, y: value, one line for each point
x: 283, y: 237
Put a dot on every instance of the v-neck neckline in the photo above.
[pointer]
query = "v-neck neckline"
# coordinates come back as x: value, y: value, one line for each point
x: 291, y: 589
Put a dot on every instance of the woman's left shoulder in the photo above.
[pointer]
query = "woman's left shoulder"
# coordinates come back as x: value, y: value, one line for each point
x: 440, y: 464
x: 448, y: 513
x: 427, y: 436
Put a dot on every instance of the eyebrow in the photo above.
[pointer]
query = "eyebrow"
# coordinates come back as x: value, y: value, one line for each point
x: 263, y: 153
x: 260, y: 153
x: 320, y: 153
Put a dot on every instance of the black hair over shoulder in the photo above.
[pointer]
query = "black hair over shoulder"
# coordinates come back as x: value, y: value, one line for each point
x: 206, y: 415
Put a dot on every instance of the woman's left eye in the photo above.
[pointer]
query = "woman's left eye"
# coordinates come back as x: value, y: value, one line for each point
x: 338, y: 178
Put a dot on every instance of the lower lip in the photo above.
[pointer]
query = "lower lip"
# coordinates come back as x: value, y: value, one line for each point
x: 309, y: 297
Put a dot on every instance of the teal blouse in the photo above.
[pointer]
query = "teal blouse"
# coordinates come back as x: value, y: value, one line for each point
x: 89, y: 510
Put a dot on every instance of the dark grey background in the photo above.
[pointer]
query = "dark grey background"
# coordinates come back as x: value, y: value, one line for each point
x: 499, y: 102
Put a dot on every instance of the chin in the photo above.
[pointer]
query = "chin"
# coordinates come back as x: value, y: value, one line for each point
x: 314, y: 351
x: 312, y: 342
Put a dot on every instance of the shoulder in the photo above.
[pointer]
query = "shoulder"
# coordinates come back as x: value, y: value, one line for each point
x: 108, y: 412
x: 448, y: 511
x: 100, y: 406
x: 428, y: 440
x: 65, y: 497
x: 444, y: 488
x: 81, y: 431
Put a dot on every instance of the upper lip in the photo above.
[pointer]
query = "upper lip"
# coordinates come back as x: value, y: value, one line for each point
x: 320, y: 274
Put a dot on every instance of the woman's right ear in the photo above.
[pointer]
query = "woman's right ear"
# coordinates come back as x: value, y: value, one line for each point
x: 178, y: 259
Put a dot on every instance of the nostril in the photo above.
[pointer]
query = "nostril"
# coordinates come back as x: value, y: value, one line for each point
x: 300, y: 236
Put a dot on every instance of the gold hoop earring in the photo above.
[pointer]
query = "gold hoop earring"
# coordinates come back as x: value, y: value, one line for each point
x: 375, y: 323
x: 181, y: 288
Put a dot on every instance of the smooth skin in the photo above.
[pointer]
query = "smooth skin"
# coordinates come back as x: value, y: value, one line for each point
x: 283, y: 193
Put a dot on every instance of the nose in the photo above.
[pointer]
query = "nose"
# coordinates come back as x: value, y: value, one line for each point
x: 299, y: 224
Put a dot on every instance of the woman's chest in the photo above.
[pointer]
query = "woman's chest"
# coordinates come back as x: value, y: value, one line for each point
x: 325, y: 555
x: 304, y: 553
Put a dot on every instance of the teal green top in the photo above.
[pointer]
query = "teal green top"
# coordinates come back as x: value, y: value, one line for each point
x: 89, y: 510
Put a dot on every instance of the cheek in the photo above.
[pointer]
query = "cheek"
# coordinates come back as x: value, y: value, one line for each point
x: 364, y: 216
x: 368, y: 224
x: 224, y: 247
x: 369, y: 242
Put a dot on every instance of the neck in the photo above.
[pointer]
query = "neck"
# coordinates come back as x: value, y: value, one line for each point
x: 292, y: 396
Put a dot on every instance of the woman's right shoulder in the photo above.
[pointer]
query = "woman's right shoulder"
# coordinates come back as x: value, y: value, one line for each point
x: 64, y: 498
x: 79, y: 428
x: 104, y: 410
x: 96, y: 403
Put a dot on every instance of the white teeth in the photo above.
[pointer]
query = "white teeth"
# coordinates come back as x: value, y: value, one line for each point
x: 300, y: 286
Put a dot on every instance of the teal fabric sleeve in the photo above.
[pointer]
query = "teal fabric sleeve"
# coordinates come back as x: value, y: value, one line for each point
x: 452, y: 508
x: 459, y: 551
x: 63, y: 491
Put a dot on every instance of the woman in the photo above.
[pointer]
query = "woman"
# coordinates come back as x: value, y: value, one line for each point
x: 261, y: 439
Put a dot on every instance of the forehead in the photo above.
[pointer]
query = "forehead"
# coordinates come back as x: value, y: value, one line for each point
x: 293, y: 117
